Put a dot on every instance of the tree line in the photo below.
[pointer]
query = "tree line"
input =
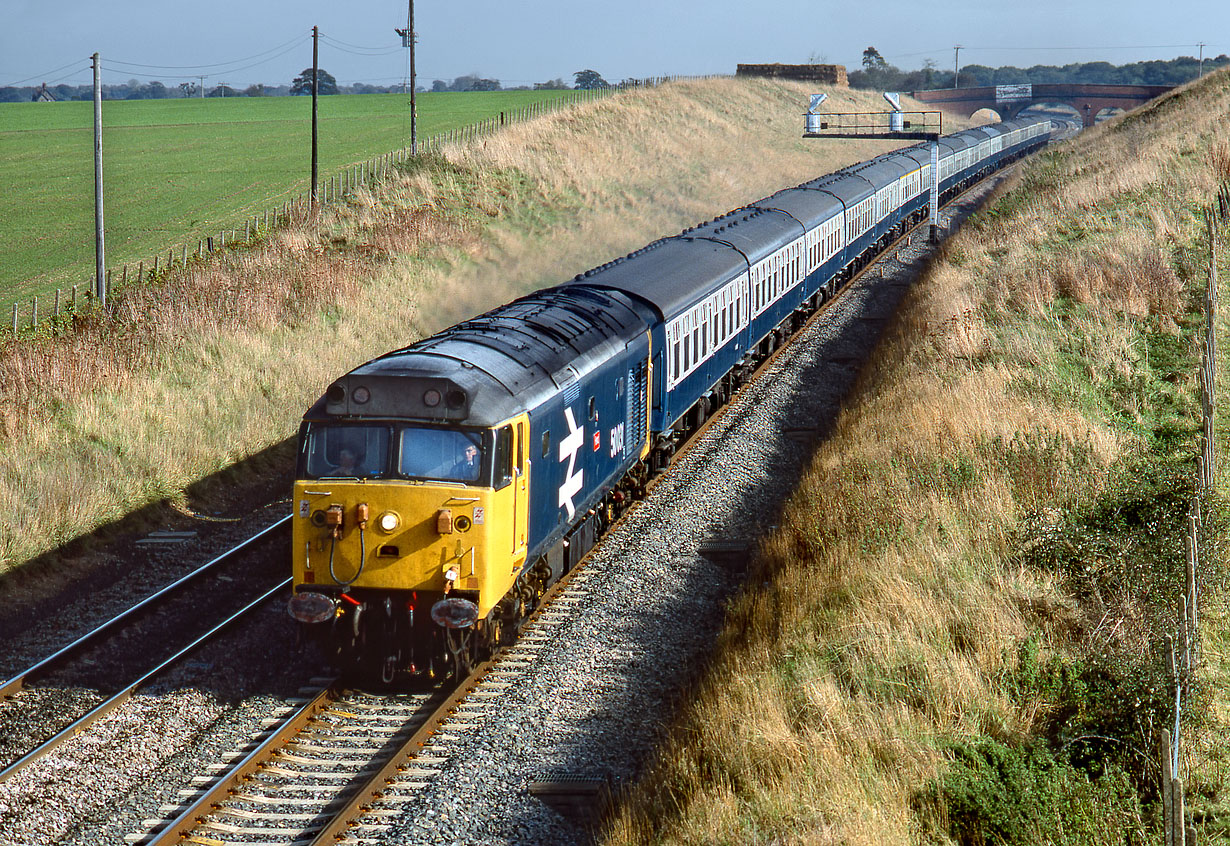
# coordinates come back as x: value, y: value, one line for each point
x: 301, y: 85
x: 879, y: 75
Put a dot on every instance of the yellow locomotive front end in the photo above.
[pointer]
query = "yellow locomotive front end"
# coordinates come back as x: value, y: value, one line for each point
x: 406, y: 538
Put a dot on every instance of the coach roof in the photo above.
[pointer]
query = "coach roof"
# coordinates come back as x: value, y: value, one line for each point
x: 671, y: 274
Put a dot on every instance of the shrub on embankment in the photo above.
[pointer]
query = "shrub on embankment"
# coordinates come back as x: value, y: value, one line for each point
x: 204, y: 369
x: 956, y: 633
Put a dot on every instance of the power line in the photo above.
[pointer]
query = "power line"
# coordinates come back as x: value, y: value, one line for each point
x: 1094, y: 47
x: 229, y: 71
x: 294, y: 41
x: 44, y: 74
x: 387, y: 52
x: 376, y: 51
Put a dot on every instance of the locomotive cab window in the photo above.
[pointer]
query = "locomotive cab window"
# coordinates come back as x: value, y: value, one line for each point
x: 345, y: 452
x: 520, y: 450
x: 503, y: 457
x: 447, y: 455
x: 546, y: 443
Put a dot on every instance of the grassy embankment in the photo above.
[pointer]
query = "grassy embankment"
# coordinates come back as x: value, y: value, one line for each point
x: 178, y: 170
x: 208, y: 369
x: 956, y: 634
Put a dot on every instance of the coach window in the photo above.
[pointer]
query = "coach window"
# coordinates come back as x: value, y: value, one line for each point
x: 678, y: 369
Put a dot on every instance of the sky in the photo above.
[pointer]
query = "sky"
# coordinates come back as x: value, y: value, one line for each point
x: 240, y: 42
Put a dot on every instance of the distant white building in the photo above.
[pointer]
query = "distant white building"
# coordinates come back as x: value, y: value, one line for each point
x: 43, y: 95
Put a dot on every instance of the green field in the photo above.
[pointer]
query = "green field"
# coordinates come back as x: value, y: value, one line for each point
x: 179, y: 170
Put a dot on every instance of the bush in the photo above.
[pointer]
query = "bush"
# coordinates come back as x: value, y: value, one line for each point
x: 1000, y: 794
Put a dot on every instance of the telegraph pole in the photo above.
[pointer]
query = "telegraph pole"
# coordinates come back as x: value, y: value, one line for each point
x: 414, y: 114
x: 956, y: 67
x: 315, y: 87
x: 407, y: 40
x: 100, y: 274
x: 1201, y: 45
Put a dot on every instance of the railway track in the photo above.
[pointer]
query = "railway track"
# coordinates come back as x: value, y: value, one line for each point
x: 18, y: 689
x: 339, y: 763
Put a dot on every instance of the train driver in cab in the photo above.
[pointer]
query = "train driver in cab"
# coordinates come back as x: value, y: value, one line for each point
x: 467, y: 469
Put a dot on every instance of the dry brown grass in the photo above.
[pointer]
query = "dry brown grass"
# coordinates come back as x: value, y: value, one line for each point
x: 206, y: 368
x: 894, y: 600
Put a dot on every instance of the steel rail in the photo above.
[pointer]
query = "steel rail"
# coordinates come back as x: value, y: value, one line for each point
x: 17, y: 682
x: 183, y: 825
x: 351, y: 799
x: 107, y: 706
x: 373, y: 788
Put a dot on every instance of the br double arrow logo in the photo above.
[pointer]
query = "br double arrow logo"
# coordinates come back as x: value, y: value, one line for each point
x: 574, y: 479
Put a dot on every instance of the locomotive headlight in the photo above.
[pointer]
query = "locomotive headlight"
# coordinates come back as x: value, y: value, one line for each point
x: 360, y: 395
x: 388, y: 521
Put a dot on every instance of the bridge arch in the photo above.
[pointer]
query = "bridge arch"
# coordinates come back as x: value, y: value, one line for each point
x: 984, y: 116
x: 1010, y: 100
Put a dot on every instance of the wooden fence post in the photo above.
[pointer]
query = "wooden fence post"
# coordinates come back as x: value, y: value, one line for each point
x: 154, y: 272
x: 1167, y: 796
x: 14, y: 318
x: 74, y: 301
x: 1180, y: 827
x: 33, y: 312
x: 141, y: 273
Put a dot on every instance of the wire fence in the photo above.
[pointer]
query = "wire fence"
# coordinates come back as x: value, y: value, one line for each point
x: 49, y: 309
x: 1183, y: 647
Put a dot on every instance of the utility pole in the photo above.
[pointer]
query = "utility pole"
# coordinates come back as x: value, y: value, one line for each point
x: 100, y: 274
x: 956, y: 67
x: 315, y: 88
x: 202, y: 86
x: 1201, y: 45
x: 407, y: 40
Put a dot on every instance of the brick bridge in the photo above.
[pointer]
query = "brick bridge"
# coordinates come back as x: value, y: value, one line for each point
x: 1010, y: 100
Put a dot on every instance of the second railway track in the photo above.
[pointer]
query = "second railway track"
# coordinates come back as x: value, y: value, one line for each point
x: 102, y: 668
